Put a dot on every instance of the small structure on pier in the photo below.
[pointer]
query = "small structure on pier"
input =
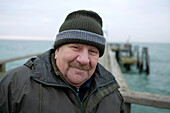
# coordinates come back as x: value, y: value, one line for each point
x: 127, y: 57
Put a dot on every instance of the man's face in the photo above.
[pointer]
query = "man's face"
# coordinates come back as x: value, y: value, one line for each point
x: 77, y: 62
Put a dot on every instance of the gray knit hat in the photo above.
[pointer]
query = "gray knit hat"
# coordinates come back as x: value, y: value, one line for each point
x: 83, y: 27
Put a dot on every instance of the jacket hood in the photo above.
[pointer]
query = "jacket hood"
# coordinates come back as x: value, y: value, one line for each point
x: 42, y: 69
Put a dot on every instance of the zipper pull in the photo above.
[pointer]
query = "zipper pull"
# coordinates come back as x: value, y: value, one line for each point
x: 77, y: 91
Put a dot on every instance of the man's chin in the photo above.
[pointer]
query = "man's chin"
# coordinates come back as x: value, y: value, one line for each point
x: 76, y: 79
x: 76, y: 84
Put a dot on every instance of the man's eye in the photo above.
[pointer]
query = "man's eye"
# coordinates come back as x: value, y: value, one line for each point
x: 75, y: 47
x: 93, y: 52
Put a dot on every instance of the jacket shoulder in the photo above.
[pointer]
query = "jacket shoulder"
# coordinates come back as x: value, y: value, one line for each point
x: 13, y: 81
x: 11, y: 84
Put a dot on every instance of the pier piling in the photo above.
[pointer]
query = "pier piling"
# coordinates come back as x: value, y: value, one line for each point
x: 144, y: 63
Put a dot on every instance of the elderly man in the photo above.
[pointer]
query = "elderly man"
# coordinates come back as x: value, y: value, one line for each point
x: 66, y: 79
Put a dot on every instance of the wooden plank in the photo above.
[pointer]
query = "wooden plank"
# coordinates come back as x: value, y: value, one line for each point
x: 128, y: 60
x: 116, y: 71
x: 147, y: 99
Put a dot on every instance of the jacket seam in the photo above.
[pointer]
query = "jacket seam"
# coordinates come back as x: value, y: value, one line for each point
x: 40, y: 98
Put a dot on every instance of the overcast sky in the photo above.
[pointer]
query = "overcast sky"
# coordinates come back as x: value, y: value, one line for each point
x: 133, y: 20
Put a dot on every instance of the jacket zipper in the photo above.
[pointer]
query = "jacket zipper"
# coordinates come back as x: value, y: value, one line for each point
x: 80, y: 103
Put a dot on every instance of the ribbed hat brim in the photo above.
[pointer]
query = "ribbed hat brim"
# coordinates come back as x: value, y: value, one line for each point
x: 83, y: 37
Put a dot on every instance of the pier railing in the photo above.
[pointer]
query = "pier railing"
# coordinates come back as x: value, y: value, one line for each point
x: 110, y: 63
x: 3, y: 62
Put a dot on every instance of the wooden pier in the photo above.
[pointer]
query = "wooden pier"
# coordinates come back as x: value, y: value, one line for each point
x: 110, y: 63
x: 131, y: 97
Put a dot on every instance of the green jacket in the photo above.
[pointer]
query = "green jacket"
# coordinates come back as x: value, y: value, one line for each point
x: 37, y: 87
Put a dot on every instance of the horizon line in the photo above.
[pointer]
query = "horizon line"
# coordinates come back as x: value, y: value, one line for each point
x: 14, y: 37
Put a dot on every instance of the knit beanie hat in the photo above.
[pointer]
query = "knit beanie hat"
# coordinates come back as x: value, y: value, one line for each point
x: 84, y: 27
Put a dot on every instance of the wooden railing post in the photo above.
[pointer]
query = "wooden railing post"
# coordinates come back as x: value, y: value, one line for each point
x: 128, y: 107
x: 2, y: 69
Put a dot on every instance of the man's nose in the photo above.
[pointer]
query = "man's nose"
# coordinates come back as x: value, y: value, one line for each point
x: 83, y: 57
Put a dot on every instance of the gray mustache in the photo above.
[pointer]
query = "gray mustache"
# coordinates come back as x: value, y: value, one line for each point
x: 79, y: 66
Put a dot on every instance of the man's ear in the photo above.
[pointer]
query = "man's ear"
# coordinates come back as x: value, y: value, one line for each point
x: 56, y: 52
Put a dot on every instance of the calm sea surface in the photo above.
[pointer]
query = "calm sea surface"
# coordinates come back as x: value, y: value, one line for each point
x: 158, y: 81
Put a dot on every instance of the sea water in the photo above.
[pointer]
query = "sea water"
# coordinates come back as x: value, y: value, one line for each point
x: 158, y: 81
